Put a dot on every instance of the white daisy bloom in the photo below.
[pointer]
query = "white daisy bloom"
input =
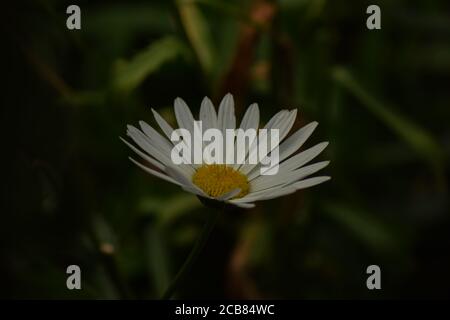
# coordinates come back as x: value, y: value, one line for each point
x: 237, y: 184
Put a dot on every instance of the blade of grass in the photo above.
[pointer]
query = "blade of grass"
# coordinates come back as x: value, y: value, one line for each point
x: 415, y: 136
x: 167, y: 211
x: 157, y: 258
x: 365, y: 226
x: 198, y: 33
x: 128, y: 75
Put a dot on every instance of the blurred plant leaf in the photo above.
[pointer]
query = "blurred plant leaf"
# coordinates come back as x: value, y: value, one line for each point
x: 104, y: 283
x: 128, y: 75
x: 365, y: 226
x: 103, y: 232
x: 85, y: 98
x: 258, y: 236
x: 198, y: 33
x: 418, y: 139
x: 227, y: 8
x: 157, y: 258
x: 128, y: 18
x: 124, y: 21
x: 168, y: 210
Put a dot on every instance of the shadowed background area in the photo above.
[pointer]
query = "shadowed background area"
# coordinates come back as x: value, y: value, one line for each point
x: 71, y: 196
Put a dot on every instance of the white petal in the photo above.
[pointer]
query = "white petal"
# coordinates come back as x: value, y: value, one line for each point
x: 276, y: 194
x: 307, y: 171
x: 286, y: 177
x: 229, y: 195
x: 284, y: 124
x: 275, y: 119
x: 269, y: 194
x: 296, y: 140
x: 256, y: 193
x: 154, y: 172
x: 195, y: 190
x: 254, y: 173
x: 226, y: 118
x: 253, y: 147
x: 184, y: 115
x: 165, y: 127
x: 310, y: 182
x: 149, y: 159
x: 184, y: 181
x: 145, y: 144
x: 249, y: 121
x: 208, y: 114
x: 294, y: 162
x: 244, y: 205
x: 303, y: 157
x: 287, y: 124
x: 158, y: 140
x: 251, y: 118
x: 155, y: 150
x: 178, y: 175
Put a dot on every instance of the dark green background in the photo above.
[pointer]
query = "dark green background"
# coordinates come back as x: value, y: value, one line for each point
x: 71, y: 196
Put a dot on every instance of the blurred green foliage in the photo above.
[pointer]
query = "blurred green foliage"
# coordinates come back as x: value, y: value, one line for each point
x: 70, y: 195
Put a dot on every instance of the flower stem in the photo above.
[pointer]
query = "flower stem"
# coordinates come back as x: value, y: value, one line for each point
x: 194, y: 254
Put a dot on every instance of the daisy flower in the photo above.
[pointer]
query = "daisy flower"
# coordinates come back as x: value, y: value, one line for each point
x: 237, y: 184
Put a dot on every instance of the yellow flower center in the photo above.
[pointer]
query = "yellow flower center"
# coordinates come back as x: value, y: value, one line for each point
x: 217, y: 179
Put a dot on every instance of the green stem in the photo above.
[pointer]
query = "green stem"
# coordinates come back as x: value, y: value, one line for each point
x: 193, y: 255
